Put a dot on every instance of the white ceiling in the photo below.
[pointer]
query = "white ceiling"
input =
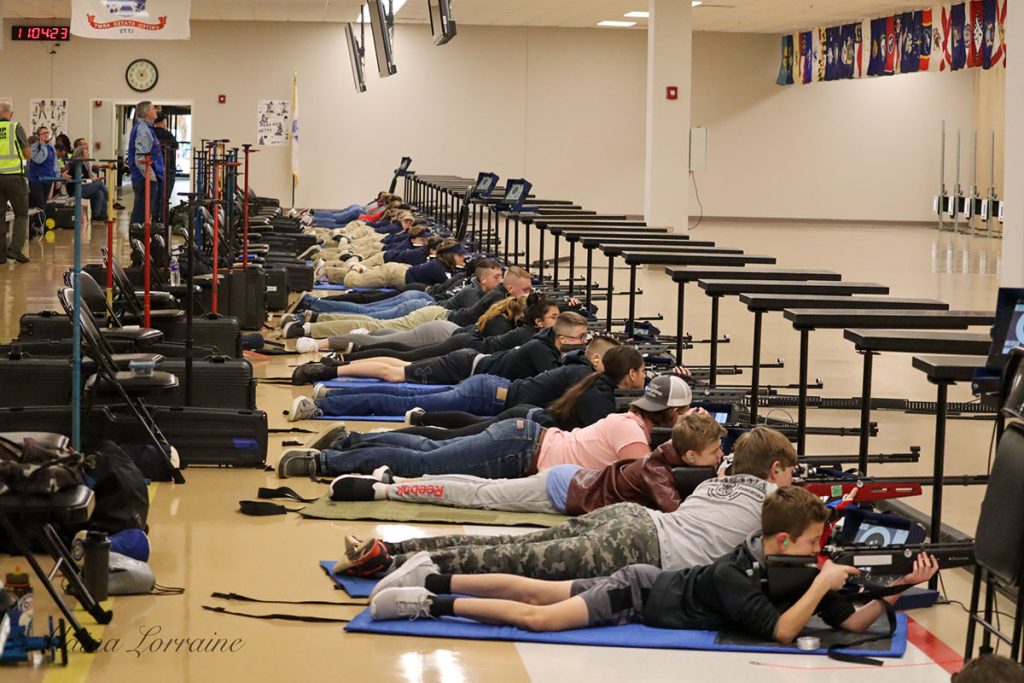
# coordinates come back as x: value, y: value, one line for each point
x: 744, y: 16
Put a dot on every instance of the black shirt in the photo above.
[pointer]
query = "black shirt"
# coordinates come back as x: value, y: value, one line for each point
x: 727, y: 593
x: 464, y: 297
x: 532, y: 358
x: 470, y: 314
x: 549, y: 386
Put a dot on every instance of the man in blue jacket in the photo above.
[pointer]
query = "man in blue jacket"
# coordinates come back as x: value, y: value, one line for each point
x: 144, y: 141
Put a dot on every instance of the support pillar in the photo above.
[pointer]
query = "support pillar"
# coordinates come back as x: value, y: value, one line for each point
x: 667, y: 163
x: 1013, y: 163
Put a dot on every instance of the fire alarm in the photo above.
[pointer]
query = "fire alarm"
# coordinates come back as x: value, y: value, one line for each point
x: 671, y: 93
x: 222, y: 99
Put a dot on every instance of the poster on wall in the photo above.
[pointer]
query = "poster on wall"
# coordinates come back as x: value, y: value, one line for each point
x: 131, y: 19
x: 272, y: 123
x: 52, y: 113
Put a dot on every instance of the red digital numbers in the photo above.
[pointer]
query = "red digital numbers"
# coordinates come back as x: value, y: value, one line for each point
x: 44, y: 33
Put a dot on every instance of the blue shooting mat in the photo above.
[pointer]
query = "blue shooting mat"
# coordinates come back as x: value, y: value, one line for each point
x: 341, y: 383
x: 630, y: 635
x: 354, y: 586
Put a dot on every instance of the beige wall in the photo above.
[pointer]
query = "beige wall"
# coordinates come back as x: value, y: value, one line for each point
x: 564, y: 108
x: 849, y: 150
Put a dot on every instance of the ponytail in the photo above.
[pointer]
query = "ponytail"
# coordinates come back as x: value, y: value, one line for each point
x: 618, y: 361
x: 511, y: 308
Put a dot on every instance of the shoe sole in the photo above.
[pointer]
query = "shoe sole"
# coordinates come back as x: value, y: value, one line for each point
x: 411, y: 565
x: 286, y: 459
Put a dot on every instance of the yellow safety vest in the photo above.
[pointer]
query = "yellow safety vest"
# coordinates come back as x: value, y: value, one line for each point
x: 11, y: 160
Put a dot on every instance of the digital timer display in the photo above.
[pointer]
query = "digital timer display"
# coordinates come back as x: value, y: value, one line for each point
x: 56, y: 34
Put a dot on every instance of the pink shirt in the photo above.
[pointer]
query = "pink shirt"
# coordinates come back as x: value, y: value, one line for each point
x: 595, y: 446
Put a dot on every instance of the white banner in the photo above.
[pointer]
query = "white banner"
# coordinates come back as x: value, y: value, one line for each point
x: 131, y: 19
x: 272, y: 124
x: 52, y: 113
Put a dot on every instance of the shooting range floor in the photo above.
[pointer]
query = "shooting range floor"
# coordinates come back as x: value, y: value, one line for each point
x: 201, y: 542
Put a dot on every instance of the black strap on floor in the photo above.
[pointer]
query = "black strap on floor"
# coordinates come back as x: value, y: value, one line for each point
x: 890, y: 615
x: 258, y: 508
x: 245, y: 598
x: 283, y: 617
x: 274, y: 380
x: 283, y: 492
x: 290, y: 430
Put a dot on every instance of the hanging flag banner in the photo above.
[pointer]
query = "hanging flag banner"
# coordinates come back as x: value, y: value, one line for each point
x: 786, y: 65
x: 964, y: 35
x: 806, y: 57
x: 131, y: 19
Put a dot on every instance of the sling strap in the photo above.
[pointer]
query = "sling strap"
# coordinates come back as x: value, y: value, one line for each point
x: 283, y: 617
x: 245, y: 598
x: 283, y: 492
x: 890, y: 615
x: 255, y: 508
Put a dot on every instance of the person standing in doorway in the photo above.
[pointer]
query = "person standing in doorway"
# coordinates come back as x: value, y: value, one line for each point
x: 169, y: 145
x: 13, y: 185
x: 143, y: 141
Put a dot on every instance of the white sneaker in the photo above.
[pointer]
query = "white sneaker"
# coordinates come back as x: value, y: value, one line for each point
x: 320, y: 271
x: 413, y: 573
x: 401, y: 603
x: 321, y: 391
x: 413, y: 413
x: 303, y: 408
x: 306, y: 345
x: 351, y: 261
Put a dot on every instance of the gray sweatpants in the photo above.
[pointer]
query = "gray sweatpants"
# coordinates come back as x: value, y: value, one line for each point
x: 598, y: 543
x: 528, y: 494
x: 424, y: 335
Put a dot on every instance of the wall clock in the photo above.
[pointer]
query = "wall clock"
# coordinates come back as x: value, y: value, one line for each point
x: 141, y: 75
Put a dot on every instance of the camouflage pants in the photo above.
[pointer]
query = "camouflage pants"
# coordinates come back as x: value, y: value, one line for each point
x: 595, y: 544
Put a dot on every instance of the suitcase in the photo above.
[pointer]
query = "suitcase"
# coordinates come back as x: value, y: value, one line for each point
x: 217, y: 382
x: 62, y: 215
x: 202, y: 436
x: 277, y: 287
x: 300, y: 276
x: 219, y: 331
x: 30, y: 380
x: 243, y: 295
x: 44, y: 325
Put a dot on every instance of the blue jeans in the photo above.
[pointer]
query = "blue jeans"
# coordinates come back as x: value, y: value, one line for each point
x: 139, y: 202
x: 386, y: 309
x: 342, y: 217
x: 476, y: 395
x: 96, y: 193
x: 504, y: 451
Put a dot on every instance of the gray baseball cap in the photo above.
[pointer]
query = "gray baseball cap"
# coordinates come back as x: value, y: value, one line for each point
x: 665, y: 391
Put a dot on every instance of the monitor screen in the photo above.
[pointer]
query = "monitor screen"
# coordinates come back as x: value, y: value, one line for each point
x: 355, y: 58
x: 516, y: 192
x: 485, y: 183
x: 721, y: 418
x: 381, y: 39
x: 1008, y: 330
x: 404, y: 166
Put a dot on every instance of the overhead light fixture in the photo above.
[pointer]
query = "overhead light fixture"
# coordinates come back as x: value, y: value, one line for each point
x: 364, y: 14
x: 694, y: 3
x: 616, y: 24
x: 637, y: 15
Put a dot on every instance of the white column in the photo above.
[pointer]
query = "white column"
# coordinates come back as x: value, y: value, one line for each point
x: 667, y: 165
x: 1013, y: 164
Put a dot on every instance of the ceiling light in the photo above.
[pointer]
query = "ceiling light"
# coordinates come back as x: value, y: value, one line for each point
x: 617, y: 24
x: 637, y: 15
x: 364, y: 16
x: 694, y: 3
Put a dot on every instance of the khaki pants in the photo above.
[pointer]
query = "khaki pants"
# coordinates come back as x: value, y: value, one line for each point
x: 344, y: 324
x: 387, y: 275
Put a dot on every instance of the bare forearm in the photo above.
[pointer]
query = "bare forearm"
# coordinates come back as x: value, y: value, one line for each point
x: 866, y: 615
x: 796, y: 617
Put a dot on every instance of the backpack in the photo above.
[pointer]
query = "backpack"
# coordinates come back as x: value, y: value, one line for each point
x: 122, y: 499
x: 35, y: 467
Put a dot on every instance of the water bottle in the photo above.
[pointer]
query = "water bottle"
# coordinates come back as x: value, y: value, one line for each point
x: 96, y: 564
x: 175, y: 272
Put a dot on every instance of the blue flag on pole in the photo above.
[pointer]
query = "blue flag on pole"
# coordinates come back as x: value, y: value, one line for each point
x: 957, y: 42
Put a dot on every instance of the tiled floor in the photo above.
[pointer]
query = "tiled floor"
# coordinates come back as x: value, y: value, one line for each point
x: 201, y: 542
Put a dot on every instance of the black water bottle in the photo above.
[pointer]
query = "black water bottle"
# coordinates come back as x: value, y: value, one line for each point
x: 96, y: 564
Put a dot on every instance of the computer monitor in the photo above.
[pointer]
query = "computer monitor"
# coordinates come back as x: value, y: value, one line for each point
x: 1008, y: 330
x: 380, y: 27
x: 863, y: 527
x: 485, y: 184
x: 355, y: 58
x: 516, y: 192
x: 442, y: 22
x: 403, y: 167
